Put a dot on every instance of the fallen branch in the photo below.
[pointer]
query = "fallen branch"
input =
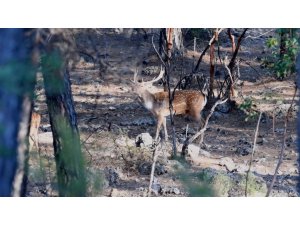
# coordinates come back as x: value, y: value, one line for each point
x: 253, y: 150
x: 282, y: 146
x: 190, y: 140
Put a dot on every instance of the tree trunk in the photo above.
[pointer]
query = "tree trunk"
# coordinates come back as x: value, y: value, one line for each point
x: 16, y: 88
x: 67, y: 150
x: 298, y: 119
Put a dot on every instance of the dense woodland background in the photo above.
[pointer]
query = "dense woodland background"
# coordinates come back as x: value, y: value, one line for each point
x: 95, y: 137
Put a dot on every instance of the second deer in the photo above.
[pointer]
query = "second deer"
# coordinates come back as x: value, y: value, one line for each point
x: 185, y: 102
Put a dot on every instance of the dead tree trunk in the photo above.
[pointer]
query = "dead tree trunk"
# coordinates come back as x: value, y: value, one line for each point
x: 67, y: 150
x: 16, y: 88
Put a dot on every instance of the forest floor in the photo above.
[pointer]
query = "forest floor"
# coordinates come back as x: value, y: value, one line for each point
x: 110, y: 119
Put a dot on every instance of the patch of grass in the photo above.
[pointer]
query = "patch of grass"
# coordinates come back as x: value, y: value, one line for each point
x: 256, y: 186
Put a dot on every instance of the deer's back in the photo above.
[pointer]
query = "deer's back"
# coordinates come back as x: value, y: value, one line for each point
x: 184, y: 102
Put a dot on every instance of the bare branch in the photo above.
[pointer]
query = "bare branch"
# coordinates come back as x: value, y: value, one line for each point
x: 155, y: 155
x: 190, y: 140
x: 263, y: 34
x: 251, y: 159
x: 282, y: 146
x: 157, y: 53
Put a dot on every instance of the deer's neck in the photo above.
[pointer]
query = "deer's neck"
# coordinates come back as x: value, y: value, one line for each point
x: 148, y: 100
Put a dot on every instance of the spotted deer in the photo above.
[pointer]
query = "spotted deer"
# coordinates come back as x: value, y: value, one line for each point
x: 185, y: 102
x: 33, y: 131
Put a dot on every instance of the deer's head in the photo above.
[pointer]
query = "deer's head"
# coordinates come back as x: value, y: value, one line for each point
x: 140, y: 88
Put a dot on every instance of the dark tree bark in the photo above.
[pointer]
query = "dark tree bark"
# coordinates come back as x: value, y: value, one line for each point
x: 298, y: 119
x: 67, y: 150
x: 17, y: 77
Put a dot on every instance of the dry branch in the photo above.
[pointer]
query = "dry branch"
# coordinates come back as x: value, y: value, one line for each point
x: 251, y: 159
x: 282, y: 146
x: 203, y: 129
x: 155, y: 155
x: 231, y: 37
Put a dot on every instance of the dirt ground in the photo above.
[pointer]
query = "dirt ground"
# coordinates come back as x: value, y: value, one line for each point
x: 110, y: 118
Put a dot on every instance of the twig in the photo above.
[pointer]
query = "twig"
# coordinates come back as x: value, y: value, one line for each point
x: 251, y: 159
x: 203, y: 129
x: 274, y: 122
x: 252, y: 37
x: 155, y: 155
x: 282, y: 146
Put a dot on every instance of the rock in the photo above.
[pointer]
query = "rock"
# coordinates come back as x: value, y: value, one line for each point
x: 261, y: 140
x: 176, y: 191
x: 114, y: 193
x: 194, y: 151
x: 223, y: 108
x: 110, y: 100
x: 242, y: 168
x: 279, y: 130
x: 292, y: 139
x: 111, y: 108
x: 170, y: 190
x: 144, y: 140
x: 228, y: 163
x: 124, y: 142
x: 156, y: 188
x: 243, y: 147
x: 46, y: 128
x: 112, y: 176
x: 217, y: 115
x: 243, y: 151
x: 145, y: 168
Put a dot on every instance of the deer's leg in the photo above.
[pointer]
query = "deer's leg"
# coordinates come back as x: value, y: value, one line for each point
x: 36, y: 140
x: 159, y: 123
x: 165, y: 128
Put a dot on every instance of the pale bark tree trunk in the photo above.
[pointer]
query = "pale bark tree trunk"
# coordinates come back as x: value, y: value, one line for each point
x: 16, y: 88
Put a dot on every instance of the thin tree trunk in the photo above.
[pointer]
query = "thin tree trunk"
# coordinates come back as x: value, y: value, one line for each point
x: 67, y: 150
x: 212, y: 70
x: 231, y: 37
x: 16, y: 88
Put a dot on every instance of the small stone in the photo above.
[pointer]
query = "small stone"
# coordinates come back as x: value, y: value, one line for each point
x: 46, y: 128
x: 111, y: 108
x: 176, y: 191
x: 279, y: 130
x: 217, y: 115
x: 261, y: 140
x: 112, y: 176
x: 146, y: 167
x: 144, y: 140
x: 156, y: 188
x: 223, y: 108
x: 110, y: 100
x: 228, y: 163
x: 124, y: 142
